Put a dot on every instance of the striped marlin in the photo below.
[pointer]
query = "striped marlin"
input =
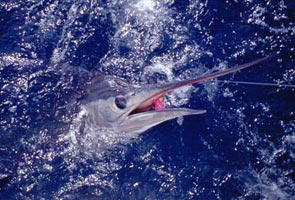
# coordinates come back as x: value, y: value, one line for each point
x: 114, y: 104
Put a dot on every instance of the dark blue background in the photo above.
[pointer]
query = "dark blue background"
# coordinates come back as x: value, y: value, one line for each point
x: 242, y: 148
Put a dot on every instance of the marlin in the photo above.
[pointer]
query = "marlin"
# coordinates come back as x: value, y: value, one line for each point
x: 114, y: 104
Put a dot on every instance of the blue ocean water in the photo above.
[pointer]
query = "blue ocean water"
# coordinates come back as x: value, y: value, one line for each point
x: 242, y: 148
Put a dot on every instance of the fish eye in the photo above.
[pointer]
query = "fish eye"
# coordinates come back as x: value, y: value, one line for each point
x: 121, y: 102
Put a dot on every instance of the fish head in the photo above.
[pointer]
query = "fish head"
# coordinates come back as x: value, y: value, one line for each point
x: 113, y: 103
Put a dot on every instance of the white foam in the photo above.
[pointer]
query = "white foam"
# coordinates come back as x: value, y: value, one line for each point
x: 164, y: 68
x: 143, y: 5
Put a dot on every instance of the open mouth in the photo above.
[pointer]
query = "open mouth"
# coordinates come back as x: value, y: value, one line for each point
x: 152, y: 111
x: 153, y: 103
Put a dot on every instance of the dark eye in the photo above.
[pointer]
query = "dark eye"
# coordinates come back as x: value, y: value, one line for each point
x: 121, y: 102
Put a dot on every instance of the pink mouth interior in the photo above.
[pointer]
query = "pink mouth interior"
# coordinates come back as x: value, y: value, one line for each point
x: 156, y: 105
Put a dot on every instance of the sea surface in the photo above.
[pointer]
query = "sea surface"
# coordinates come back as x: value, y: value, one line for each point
x: 242, y: 148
